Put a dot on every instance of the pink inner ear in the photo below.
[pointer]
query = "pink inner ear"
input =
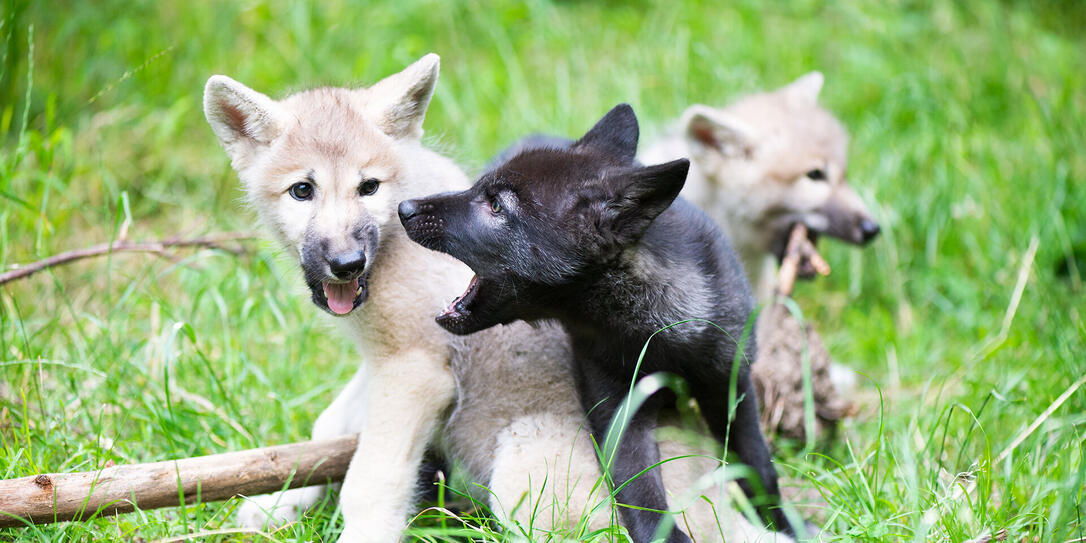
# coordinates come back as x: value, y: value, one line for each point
x: 234, y: 117
x: 706, y: 135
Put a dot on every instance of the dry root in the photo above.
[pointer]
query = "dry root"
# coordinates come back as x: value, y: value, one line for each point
x: 783, y: 345
x: 778, y: 376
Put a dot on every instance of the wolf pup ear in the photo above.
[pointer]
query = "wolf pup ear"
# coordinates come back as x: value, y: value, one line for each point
x: 398, y: 102
x: 641, y: 195
x: 805, y: 89
x: 711, y: 131
x: 616, y: 132
x: 244, y: 120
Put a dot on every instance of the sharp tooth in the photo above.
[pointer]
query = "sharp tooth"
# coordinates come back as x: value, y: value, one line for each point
x: 358, y: 292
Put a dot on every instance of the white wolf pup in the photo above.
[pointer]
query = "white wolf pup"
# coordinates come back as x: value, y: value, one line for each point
x: 764, y: 163
x: 325, y: 170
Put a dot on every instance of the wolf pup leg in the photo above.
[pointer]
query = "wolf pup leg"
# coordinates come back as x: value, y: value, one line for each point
x: 601, y: 395
x: 744, y: 437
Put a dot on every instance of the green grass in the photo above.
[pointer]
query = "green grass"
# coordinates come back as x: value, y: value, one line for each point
x: 968, y: 125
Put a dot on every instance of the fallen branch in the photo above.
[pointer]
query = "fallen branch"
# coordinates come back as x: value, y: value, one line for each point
x: 121, y: 246
x: 57, y: 497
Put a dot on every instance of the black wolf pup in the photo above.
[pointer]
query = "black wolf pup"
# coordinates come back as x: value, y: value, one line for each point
x: 585, y: 235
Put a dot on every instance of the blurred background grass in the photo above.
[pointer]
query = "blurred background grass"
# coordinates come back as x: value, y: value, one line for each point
x: 968, y: 124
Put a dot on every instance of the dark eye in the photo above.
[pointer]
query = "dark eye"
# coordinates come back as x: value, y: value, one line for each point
x: 301, y: 191
x: 495, y: 205
x: 816, y: 175
x: 368, y: 187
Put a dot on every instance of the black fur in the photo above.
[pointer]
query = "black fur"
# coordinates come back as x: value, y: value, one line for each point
x: 583, y: 234
x: 432, y: 472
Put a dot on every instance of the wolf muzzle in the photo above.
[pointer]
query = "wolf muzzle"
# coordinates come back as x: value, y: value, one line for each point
x: 348, y: 265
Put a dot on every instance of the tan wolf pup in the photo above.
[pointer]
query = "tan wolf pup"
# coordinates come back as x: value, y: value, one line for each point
x: 763, y: 164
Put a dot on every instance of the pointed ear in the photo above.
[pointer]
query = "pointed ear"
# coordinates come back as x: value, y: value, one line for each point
x: 805, y: 89
x: 243, y: 119
x: 616, y: 132
x: 641, y: 195
x: 709, y: 130
x: 398, y: 102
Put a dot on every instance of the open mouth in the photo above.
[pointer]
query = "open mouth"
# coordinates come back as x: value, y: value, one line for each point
x: 457, y: 310
x: 342, y: 298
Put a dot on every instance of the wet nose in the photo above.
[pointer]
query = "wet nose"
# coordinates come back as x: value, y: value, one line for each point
x: 347, y: 265
x: 869, y: 229
x: 408, y: 209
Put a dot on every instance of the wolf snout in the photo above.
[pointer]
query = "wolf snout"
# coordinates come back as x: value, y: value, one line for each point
x: 869, y: 229
x: 408, y: 209
x: 347, y: 266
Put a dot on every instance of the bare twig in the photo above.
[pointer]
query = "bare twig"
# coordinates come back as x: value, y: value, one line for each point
x: 208, y: 533
x: 1041, y: 418
x: 122, y: 246
x: 800, y: 251
x: 999, y: 535
x: 57, y: 497
x: 1024, y: 269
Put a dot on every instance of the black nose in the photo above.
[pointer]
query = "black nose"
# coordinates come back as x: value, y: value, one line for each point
x: 347, y: 265
x: 408, y: 209
x: 869, y: 229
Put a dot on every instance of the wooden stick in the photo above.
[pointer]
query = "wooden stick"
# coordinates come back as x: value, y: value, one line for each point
x: 122, y: 245
x: 798, y: 250
x: 57, y: 497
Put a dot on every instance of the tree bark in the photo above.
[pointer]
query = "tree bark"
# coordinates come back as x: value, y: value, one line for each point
x: 56, y: 497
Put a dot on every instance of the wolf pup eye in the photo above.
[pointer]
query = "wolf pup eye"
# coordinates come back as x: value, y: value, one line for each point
x: 368, y: 187
x: 816, y: 175
x: 301, y: 191
x: 495, y: 206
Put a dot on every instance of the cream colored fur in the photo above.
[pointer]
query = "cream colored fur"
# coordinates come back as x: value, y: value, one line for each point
x: 748, y: 169
x: 500, y: 403
x: 404, y: 382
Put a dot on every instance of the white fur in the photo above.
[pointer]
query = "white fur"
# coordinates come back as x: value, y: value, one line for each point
x: 404, y: 382
x: 539, y: 478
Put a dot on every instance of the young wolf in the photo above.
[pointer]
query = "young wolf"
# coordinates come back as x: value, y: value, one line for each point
x: 765, y: 163
x: 325, y: 170
x: 585, y: 235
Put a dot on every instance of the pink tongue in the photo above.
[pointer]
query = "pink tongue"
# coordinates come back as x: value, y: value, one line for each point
x: 341, y: 296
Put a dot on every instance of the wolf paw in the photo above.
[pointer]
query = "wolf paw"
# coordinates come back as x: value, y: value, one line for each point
x: 274, y: 510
